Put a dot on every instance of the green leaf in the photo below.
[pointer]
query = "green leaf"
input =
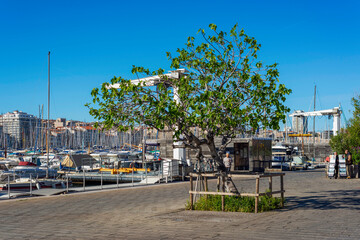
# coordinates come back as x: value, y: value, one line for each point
x: 226, y: 91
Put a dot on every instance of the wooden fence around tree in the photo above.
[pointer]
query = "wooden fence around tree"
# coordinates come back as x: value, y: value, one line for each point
x: 221, y: 179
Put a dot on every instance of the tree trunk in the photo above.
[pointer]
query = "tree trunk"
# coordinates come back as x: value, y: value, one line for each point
x: 214, y: 154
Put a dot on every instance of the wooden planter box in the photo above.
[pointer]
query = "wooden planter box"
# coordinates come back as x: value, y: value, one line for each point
x: 256, y: 195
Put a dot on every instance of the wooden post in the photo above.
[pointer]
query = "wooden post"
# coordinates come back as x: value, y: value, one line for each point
x: 203, y: 182
x: 191, y: 195
x: 270, y: 185
x: 257, y: 194
x: 200, y: 181
x: 222, y: 203
x: 206, y: 186
x: 222, y: 196
x: 218, y: 184
x: 282, y: 189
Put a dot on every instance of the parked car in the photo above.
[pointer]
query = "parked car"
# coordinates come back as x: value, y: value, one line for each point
x: 299, y: 163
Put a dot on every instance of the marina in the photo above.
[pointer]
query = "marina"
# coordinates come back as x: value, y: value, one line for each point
x: 162, y: 207
x: 87, y: 172
x: 81, y: 182
x: 79, y: 157
x: 179, y: 120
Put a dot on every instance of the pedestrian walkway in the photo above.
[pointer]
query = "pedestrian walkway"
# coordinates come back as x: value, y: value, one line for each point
x: 317, y: 208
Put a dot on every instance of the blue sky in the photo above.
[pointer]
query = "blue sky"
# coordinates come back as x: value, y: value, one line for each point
x: 314, y: 42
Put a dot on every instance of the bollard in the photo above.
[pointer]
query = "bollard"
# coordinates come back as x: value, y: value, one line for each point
x: 191, y: 194
x: 282, y: 190
x: 30, y: 185
x: 257, y: 189
x: 9, y: 186
x: 223, y: 196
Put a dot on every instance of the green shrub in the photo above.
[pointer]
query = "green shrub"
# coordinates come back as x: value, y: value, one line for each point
x: 235, y: 204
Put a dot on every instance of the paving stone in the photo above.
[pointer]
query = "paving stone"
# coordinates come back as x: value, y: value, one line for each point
x: 317, y: 208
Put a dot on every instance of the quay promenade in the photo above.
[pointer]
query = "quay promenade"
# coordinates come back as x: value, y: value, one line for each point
x: 316, y: 208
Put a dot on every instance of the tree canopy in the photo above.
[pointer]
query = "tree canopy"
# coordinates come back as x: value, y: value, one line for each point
x: 226, y: 90
x: 349, y: 138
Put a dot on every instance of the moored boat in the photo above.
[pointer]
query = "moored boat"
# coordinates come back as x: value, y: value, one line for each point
x: 24, y: 184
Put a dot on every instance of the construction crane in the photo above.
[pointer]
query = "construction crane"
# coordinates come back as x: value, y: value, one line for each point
x: 335, y: 112
x: 178, y: 153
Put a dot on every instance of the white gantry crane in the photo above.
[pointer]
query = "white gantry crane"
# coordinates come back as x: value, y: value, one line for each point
x: 335, y: 112
x: 178, y: 153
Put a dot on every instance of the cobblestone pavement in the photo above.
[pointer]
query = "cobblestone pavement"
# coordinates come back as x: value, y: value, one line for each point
x: 317, y: 208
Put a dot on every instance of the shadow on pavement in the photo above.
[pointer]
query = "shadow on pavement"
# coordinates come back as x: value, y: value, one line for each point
x: 339, y: 199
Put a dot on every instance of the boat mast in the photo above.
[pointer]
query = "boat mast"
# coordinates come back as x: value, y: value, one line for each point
x: 5, y: 152
x: 41, y: 129
x: 314, y: 120
x: 4, y: 137
x: 48, y: 122
x: 314, y: 116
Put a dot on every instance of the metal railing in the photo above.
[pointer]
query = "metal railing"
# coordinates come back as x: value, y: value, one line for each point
x: 164, y: 173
